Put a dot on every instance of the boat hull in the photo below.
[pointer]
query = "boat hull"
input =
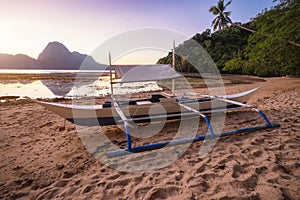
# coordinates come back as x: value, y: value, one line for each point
x: 114, y: 120
x: 166, y: 109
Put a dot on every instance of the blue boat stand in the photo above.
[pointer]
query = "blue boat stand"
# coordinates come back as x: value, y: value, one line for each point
x: 211, y: 134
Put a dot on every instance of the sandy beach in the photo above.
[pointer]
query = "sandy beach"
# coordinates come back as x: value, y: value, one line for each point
x: 42, y: 156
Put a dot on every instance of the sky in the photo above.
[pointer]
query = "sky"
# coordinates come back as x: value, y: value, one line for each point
x: 27, y: 26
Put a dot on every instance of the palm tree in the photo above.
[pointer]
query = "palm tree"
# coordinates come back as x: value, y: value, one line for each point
x: 222, y: 20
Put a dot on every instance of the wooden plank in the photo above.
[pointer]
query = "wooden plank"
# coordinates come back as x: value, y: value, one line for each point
x: 158, y: 117
x: 186, y: 114
x: 234, y: 102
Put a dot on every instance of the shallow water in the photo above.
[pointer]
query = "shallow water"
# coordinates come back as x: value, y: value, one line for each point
x: 35, y: 89
x: 46, y: 71
x: 87, y: 84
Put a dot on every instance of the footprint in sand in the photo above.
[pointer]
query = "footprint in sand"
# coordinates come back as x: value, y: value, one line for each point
x: 260, y: 170
x: 48, y: 124
x: 62, y: 183
x: 163, y: 193
x: 257, y: 153
x: 68, y: 174
x: 237, y: 171
x: 88, y: 189
x: 248, y: 184
x: 48, y: 194
x: 141, y: 191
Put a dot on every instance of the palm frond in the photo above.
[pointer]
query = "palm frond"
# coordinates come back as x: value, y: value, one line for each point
x: 228, y: 3
x: 217, y: 24
x: 214, y: 10
x: 214, y: 21
x: 221, y: 5
x: 228, y: 19
x: 227, y: 13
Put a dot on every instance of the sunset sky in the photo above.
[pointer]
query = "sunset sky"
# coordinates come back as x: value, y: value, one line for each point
x: 26, y: 26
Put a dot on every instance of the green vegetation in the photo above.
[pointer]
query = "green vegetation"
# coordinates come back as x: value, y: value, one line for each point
x: 268, y: 45
x: 273, y: 49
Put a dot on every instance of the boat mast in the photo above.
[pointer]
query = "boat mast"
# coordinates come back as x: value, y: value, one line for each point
x: 173, y: 65
x: 110, y: 75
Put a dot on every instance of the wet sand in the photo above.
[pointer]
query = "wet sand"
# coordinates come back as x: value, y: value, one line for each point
x: 42, y: 156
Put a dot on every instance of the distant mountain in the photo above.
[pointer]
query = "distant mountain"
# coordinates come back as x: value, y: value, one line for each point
x: 88, y: 61
x: 18, y: 61
x: 57, y: 56
x: 54, y: 56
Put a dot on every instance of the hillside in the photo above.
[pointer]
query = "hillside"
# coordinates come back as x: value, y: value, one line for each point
x: 272, y: 49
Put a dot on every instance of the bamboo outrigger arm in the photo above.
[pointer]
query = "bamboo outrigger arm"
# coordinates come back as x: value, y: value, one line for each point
x: 193, y: 111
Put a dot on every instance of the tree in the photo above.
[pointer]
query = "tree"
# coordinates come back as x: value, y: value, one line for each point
x: 269, y: 50
x: 222, y: 17
x: 221, y: 47
x: 222, y: 20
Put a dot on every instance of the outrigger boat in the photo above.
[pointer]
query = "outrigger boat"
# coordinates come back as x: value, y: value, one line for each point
x: 137, y: 111
x: 129, y: 112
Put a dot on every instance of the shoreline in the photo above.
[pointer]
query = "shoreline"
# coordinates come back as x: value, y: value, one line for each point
x: 62, y: 83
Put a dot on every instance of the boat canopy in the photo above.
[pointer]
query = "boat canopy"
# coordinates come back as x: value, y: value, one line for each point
x: 140, y: 73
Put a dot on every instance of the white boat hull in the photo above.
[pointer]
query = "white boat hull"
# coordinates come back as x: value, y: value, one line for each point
x: 91, y: 115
